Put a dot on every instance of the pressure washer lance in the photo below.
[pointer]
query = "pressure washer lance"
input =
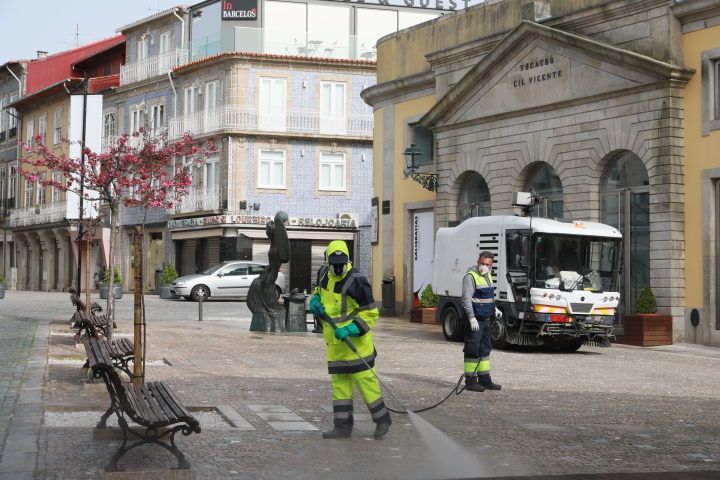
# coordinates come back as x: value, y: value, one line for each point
x: 329, y: 320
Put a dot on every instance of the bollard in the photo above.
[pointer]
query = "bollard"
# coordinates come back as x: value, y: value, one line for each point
x: 200, y: 302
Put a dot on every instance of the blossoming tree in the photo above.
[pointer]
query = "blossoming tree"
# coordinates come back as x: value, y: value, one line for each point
x: 139, y: 169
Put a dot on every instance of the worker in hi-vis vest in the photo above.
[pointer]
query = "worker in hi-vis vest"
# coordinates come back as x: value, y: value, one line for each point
x: 478, y: 300
x: 344, y: 294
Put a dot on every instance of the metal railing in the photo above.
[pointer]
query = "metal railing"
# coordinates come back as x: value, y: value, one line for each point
x: 197, y: 200
x: 153, y: 66
x: 48, y: 213
x: 250, y: 118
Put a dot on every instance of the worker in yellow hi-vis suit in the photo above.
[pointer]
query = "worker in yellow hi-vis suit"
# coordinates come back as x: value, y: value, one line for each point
x: 344, y: 294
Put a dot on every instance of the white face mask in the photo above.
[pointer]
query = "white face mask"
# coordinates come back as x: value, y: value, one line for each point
x: 483, y: 269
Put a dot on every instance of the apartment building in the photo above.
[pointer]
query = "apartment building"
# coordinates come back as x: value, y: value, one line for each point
x: 278, y: 89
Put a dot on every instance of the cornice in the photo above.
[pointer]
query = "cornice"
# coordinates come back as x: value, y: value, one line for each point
x: 412, y: 83
x: 602, y: 13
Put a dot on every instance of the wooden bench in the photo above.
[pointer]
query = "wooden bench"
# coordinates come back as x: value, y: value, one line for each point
x: 153, y: 406
x: 121, y: 350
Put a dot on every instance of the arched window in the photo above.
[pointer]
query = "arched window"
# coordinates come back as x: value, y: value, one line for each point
x: 474, y: 198
x: 625, y: 204
x: 546, y: 183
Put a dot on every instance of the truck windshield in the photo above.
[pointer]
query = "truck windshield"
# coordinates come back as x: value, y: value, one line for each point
x: 568, y: 262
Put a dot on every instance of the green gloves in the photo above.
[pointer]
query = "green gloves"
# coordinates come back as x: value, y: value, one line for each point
x: 316, y: 307
x: 349, y: 330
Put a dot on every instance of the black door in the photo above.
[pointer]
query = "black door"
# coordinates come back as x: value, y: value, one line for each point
x: 300, y: 265
x: 200, y: 246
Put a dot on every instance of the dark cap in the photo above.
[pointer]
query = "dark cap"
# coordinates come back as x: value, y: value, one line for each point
x: 337, y: 257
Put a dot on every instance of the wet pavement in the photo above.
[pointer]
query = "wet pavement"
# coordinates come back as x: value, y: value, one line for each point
x: 596, y: 413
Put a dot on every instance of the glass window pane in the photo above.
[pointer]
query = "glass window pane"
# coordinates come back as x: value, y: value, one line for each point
x: 278, y: 174
x: 328, y: 20
x: 286, y: 16
x: 374, y: 23
x: 264, y: 176
x: 408, y: 19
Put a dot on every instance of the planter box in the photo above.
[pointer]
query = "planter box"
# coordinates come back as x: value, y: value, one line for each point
x: 104, y: 291
x: 647, y: 330
x: 2, y: 290
x: 423, y: 315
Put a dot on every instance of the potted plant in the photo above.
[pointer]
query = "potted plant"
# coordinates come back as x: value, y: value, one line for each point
x: 427, y: 311
x: 647, y: 328
x: 37, y: 208
x: 117, y: 284
x: 2, y: 286
x: 168, y: 275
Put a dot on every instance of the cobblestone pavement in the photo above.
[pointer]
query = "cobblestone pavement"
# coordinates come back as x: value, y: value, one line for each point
x: 615, y: 410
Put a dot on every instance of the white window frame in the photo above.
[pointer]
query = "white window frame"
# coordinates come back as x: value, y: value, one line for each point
x: 12, y: 183
x: 212, y: 94
x: 330, y: 164
x: 57, y: 125
x: 143, y: 50
x: 40, y: 191
x: 211, y: 167
x: 42, y: 127
x: 271, y: 165
x: 157, y: 118
x: 56, y: 192
x: 28, y: 194
x: 165, y: 42
x: 30, y: 132
x: 333, y: 107
x: 109, y: 126
x: 12, y: 114
x: 273, y: 104
x: 191, y: 104
x: 3, y: 175
x: 137, y: 118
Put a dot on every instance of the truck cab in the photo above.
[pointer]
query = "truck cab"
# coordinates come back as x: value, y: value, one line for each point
x: 556, y: 280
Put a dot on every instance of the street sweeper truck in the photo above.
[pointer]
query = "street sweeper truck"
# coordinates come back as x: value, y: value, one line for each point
x: 556, y: 280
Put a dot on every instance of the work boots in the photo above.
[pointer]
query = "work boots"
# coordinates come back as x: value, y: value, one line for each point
x: 338, y: 432
x: 487, y: 383
x: 382, y: 427
x: 471, y: 383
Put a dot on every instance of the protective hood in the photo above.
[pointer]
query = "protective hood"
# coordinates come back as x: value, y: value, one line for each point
x: 338, y: 250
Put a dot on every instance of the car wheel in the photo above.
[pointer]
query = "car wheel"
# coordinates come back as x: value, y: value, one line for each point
x: 453, y: 329
x: 199, y: 293
x: 499, y: 334
x: 188, y: 298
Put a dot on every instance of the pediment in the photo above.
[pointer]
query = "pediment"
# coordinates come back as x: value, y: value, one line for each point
x: 535, y: 67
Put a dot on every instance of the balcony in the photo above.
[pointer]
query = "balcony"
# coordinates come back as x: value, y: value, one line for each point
x: 49, y: 213
x: 283, y: 42
x: 152, y: 66
x: 251, y: 119
x: 197, y: 200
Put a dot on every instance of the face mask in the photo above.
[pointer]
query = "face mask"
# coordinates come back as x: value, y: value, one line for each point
x: 483, y: 269
x: 339, y: 269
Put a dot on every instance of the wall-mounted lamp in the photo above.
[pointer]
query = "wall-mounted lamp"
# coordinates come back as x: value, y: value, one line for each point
x: 302, y: 153
x: 362, y: 157
x: 256, y: 206
x: 243, y: 204
x: 304, y: 84
x: 428, y: 181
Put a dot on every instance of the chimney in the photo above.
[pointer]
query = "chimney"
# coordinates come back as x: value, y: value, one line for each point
x: 535, y: 11
x: 41, y: 54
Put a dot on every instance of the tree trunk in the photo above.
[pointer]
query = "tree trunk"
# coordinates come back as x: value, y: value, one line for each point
x: 114, y: 227
x: 138, y: 363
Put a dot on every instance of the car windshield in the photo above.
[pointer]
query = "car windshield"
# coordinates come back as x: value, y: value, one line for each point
x: 214, y: 269
x: 578, y: 262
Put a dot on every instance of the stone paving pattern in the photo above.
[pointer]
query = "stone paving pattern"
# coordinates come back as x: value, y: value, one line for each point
x: 615, y: 410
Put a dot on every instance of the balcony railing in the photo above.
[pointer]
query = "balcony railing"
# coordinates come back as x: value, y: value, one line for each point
x: 283, y: 42
x: 198, y: 200
x: 251, y: 119
x: 49, y: 213
x: 152, y: 66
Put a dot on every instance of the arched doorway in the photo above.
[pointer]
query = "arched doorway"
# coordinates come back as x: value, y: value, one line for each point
x: 474, y: 198
x: 625, y: 198
x: 546, y: 183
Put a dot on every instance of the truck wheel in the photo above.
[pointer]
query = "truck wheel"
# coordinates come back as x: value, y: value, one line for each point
x: 453, y: 329
x: 499, y: 333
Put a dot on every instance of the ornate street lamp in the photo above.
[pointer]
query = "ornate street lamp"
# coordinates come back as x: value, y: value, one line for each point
x: 428, y: 181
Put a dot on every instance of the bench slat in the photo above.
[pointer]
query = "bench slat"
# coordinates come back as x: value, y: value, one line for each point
x: 167, y: 404
x: 156, y: 406
x: 182, y: 412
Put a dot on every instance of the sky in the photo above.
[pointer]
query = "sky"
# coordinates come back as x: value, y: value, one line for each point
x: 51, y: 26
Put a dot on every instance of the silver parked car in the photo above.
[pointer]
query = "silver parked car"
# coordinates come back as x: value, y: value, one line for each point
x: 226, y: 279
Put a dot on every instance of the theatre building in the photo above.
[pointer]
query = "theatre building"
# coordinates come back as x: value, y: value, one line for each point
x: 582, y: 100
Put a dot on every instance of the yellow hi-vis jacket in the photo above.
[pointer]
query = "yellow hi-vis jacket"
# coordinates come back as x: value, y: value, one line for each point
x: 347, y: 298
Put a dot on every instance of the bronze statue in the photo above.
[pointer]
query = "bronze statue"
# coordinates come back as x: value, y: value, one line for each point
x: 268, y: 314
